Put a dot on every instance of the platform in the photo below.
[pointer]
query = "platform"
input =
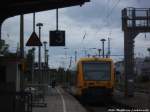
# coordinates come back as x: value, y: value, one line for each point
x: 60, y: 101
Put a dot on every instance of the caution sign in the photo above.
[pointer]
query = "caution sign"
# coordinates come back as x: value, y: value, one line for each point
x: 34, y: 40
x: 57, y: 38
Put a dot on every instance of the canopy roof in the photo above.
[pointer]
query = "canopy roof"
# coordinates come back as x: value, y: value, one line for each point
x: 9, y: 8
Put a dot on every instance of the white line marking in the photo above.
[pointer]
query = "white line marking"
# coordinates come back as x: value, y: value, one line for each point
x: 63, y: 101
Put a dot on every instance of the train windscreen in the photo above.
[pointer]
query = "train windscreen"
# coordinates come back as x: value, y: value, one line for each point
x: 97, y: 70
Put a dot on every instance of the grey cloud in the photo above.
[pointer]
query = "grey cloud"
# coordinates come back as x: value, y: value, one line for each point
x: 143, y: 3
x: 91, y: 18
x: 99, y: 14
x: 95, y: 14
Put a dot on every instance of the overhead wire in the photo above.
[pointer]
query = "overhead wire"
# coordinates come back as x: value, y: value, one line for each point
x: 108, y: 15
x: 111, y: 11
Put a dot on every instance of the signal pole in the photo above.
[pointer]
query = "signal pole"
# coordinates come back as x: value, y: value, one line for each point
x: 108, y: 48
x: 75, y: 56
x: 70, y: 61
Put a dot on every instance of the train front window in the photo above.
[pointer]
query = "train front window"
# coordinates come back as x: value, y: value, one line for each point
x: 96, y: 70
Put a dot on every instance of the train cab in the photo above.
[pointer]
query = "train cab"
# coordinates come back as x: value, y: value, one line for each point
x: 93, y: 77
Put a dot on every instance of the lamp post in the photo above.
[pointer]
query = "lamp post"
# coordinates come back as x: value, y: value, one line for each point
x: 47, y: 59
x: 70, y: 62
x: 39, y: 25
x: 45, y: 52
x: 33, y: 58
x: 99, y: 52
x: 103, y: 40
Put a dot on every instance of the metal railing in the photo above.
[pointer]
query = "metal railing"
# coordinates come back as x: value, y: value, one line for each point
x: 16, y: 101
x: 136, y: 17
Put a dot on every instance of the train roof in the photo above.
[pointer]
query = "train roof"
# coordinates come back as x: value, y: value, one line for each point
x: 95, y: 59
x: 86, y: 59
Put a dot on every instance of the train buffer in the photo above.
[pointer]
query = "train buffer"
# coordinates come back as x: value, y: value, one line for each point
x: 60, y: 101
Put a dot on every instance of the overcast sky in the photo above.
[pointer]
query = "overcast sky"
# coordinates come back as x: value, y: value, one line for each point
x: 97, y: 19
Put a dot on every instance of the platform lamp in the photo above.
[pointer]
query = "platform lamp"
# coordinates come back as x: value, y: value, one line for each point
x: 99, y: 52
x: 45, y: 51
x: 39, y: 25
x: 103, y: 40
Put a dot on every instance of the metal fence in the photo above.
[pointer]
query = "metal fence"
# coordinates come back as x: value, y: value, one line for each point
x: 15, y: 102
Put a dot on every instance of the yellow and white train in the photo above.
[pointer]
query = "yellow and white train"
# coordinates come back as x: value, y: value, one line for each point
x: 93, y: 77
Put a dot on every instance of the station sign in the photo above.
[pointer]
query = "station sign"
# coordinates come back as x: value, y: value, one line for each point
x: 57, y: 38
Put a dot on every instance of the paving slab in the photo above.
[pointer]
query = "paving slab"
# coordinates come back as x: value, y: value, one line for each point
x: 60, y: 101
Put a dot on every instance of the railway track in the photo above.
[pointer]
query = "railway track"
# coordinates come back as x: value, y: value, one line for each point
x: 113, y: 107
x: 107, y: 106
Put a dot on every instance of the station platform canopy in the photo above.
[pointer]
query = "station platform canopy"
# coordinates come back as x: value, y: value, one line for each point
x: 9, y: 8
